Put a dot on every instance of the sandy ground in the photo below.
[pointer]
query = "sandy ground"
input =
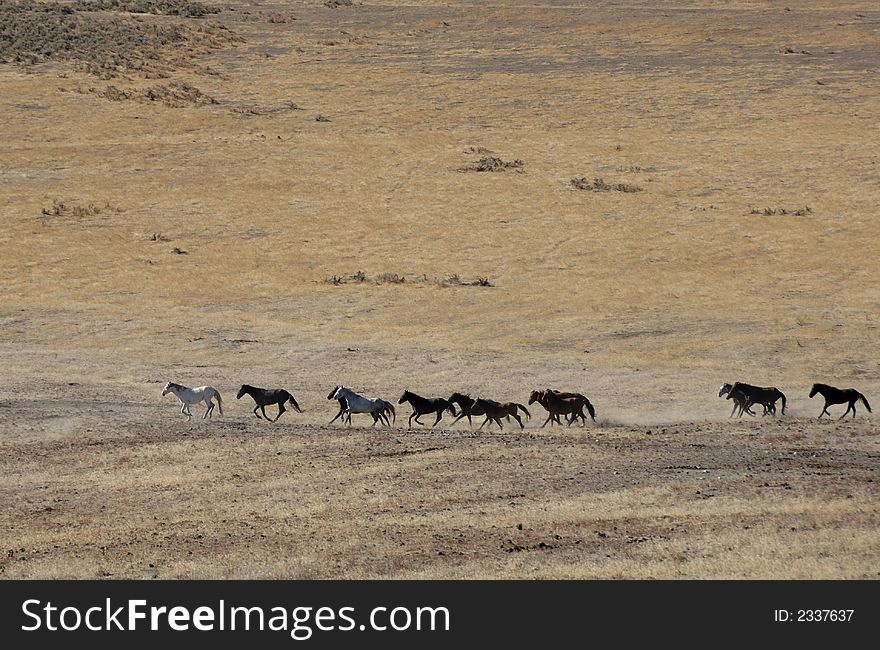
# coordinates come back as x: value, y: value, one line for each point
x: 337, y: 141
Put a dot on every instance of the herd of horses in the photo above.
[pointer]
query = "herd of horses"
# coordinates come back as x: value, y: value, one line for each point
x: 558, y: 404
x: 745, y: 396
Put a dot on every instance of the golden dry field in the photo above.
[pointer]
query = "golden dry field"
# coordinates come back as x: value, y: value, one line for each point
x: 288, y: 194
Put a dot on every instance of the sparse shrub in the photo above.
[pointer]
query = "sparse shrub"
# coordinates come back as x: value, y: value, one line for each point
x: 770, y: 212
x: 389, y: 278
x: 105, y: 45
x: 599, y: 185
x: 61, y: 209
x: 175, y: 94
x: 493, y: 164
x: 394, y: 278
x: 159, y: 7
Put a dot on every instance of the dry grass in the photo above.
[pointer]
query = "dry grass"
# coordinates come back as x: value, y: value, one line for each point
x: 644, y: 301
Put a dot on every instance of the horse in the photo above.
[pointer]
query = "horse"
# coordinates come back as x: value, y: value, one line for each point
x: 189, y: 396
x: 834, y: 395
x: 423, y: 405
x: 758, y: 395
x: 494, y: 411
x: 355, y: 403
x: 264, y: 397
x: 466, y: 405
x: 559, y: 403
x: 740, y: 401
x: 342, y: 404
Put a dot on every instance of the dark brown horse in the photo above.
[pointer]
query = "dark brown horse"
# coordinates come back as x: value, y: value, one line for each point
x: 560, y: 403
x: 834, y: 395
x: 496, y: 410
x: 466, y: 407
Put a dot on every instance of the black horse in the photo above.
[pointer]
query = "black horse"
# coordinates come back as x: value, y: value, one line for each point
x: 467, y: 407
x: 342, y: 405
x: 834, y: 395
x: 266, y: 396
x: 740, y: 401
x: 767, y: 397
x: 423, y: 405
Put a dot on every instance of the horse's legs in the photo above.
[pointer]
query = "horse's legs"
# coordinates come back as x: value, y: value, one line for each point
x: 281, y: 410
x: 500, y: 426
x: 418, y: 421
x: 547, y: 420
x: 521, y: 425
x: 255, y: 412
x: 439, y: 417
x: 484, y: 421
x: 263, y: 411
x: 411, y: 416
x: 341, y: 411
x: 851, y: 405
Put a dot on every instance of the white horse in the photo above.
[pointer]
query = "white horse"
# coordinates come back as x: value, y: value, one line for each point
x: 355, y: 403
x: 189, y: 396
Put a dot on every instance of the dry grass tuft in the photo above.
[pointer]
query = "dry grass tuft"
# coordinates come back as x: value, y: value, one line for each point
x: 493, y: 164
x: 770, y: 212
x: 599, y: 185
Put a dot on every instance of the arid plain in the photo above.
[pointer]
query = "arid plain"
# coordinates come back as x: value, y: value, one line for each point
x: 287, y: 194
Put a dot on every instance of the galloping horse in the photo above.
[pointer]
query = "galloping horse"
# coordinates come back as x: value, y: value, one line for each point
x: 740, y: 401
x: 467, y: 408
x: 189, y: 396
x: 263, y: 397
x: 834, y: 395
x: 342, y: 404
x: 423, y: 405
x: 758, y: 395
x: 355, y: 403
x: 496, y: 410
x: 558, y: 403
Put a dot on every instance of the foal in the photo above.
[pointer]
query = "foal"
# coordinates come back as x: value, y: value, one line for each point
x: 266, y: 396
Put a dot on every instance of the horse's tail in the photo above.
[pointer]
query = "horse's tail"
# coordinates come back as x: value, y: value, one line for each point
x: 219, y: 401
x: 590, y: 408
x: 865, y: 402
x: 782, y: 395
x: 524, y: 409
x: 451, y: 408
x: 393, y: 413
x: 293, y: 402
